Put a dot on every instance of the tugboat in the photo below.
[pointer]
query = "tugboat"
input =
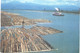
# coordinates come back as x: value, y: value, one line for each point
x: 57, y: 13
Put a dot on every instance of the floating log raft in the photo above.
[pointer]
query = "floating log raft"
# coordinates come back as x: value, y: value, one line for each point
x: 43, y: 30
x: 5, y: 20
x: 22, y: 39
x: 15, y: 19
x: 25, y: 40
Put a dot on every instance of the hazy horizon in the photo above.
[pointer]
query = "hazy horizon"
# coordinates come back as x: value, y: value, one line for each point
x: 64, y: 5
x: 45, y: 2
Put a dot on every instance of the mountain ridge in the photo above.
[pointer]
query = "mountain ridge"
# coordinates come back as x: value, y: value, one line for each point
x: 32, y: 6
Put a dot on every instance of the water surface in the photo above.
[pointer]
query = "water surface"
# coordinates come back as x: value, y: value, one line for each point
x: 66, y: 42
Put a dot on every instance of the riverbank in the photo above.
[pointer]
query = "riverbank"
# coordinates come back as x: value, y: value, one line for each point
x: 75, y: 12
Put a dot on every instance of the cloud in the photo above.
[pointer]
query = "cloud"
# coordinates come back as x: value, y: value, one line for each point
x: 6, y: 1
x: 45, y: 2
x: 24, y: 1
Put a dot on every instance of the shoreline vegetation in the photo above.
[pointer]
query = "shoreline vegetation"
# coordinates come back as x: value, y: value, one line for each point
x: 76, y: 12
x: 22, y: 39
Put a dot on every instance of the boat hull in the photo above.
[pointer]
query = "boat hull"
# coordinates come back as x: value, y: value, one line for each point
x: 58, y: 15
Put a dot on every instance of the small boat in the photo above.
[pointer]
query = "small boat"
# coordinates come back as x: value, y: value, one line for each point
x: 58, y: 13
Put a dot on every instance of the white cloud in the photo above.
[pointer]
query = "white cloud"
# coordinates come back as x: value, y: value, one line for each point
x: 24, y: 1
x: 50, y: 0
x: 6, y: 1
x: 70, y: 0
x: 75, y: 0
x: 45, y: 2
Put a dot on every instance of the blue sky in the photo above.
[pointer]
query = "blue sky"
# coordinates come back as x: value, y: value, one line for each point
x: 46, y: 2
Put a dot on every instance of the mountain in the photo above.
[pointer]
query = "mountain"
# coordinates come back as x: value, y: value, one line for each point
x: 32, y: 6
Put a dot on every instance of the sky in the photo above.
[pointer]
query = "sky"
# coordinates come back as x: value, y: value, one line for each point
x: 46, y: 2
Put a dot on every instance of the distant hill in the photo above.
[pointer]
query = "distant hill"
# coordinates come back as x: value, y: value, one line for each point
x: 32, y: 6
